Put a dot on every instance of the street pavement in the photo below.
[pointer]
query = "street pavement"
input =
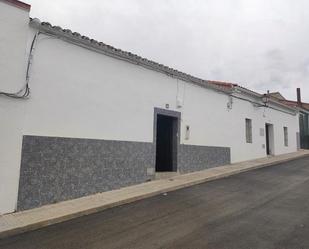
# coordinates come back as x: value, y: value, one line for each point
x: 263, y: 208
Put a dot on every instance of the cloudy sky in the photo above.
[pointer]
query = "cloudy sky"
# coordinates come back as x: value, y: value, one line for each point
x: 260, y: 44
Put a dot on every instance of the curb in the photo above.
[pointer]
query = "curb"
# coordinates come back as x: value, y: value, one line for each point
x: 16, y: 229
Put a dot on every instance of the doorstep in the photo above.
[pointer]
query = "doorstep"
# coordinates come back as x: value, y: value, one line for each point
x: 20, y: 222
x: 165, y: 175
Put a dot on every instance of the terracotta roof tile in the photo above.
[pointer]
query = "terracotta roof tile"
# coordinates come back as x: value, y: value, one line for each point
x: 223, y: 84
x: 18, y: 4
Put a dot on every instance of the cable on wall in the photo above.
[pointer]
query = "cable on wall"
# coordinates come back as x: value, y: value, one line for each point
x: 24, y: 92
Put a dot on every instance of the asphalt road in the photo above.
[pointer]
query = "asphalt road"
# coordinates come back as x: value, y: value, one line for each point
x: 264, y: 208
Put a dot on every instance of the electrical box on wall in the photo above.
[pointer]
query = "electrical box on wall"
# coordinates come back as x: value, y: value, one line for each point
x: 262, y: 132
x: 229, y: 105
x: 179, y: 103
x: 187, y: 135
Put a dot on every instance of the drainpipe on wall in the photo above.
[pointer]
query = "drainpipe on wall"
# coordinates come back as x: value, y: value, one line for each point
x: 299, y: 103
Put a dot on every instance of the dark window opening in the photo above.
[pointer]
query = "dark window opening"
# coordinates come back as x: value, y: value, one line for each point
x: 248, y: 130
x: 286, y: 136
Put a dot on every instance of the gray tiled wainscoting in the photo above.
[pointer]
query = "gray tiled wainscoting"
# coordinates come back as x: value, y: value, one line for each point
x: 194, y: 158
x: 55, y: 169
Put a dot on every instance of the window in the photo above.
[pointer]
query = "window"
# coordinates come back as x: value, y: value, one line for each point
x: 248, y: 130
x: 286, y: 137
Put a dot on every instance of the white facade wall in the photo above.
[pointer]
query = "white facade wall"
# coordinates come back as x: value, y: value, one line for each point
x: 84, y: 94
x: 13, y: 40
x: 79, y: 93
x: 214, y: 125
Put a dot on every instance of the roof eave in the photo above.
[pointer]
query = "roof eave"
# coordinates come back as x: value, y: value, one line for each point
x: 284, y: 106
x: 18, y: 4
x: 100, y: 47
x: 259, y: 96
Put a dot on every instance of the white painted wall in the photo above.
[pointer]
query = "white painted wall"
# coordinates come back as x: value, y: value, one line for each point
x: 13, y: 39
x: 79, y: 93
x: 211, y: 123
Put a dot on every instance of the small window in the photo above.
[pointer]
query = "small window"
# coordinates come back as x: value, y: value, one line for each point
x: 248, y: 130
x: 286, y: 136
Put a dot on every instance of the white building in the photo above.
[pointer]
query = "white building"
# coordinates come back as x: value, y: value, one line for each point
x: 98, y: 118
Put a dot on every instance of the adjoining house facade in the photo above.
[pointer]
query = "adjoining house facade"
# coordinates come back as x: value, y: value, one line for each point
x: 90, y: 118
x: 303, y: 109
x: 304, y: 129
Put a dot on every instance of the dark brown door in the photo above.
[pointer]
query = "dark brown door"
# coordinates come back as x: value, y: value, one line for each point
x: 164, y: 143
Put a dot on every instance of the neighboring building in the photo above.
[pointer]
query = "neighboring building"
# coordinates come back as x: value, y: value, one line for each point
x: 98, y: 118
x: 304, y: 129
x: 303, y: 109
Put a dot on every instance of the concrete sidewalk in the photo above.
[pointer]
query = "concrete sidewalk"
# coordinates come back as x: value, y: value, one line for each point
x: 16, y: 223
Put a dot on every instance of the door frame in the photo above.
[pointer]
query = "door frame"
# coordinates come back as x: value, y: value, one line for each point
x: 176, y: 131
